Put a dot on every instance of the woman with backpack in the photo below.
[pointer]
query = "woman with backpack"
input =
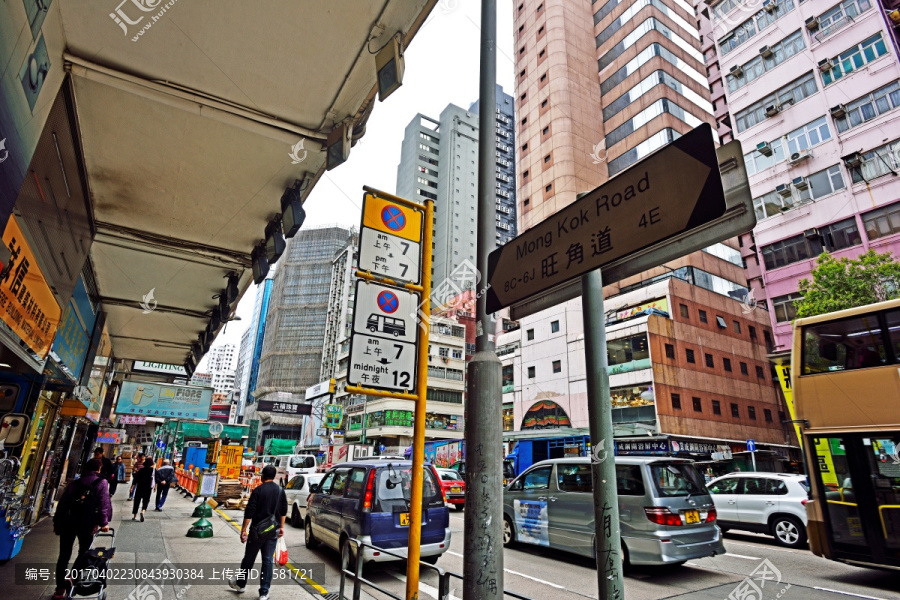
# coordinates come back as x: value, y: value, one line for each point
x: 83, y: 509
x: 143, y: 486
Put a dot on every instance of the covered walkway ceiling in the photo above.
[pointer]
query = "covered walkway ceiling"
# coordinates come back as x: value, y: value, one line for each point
x: 187, y: 130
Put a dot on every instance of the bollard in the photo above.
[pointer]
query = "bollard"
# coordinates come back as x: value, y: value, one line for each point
x: 202, y: 511
x: 201, y: 528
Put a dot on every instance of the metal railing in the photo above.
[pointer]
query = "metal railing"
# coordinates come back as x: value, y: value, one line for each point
x: 359, y: 581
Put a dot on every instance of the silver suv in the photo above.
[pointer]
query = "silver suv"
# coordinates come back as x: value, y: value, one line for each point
x: 771, y: 503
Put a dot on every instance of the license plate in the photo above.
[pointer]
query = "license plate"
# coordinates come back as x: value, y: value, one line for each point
x: 404, y: 519
x: 455, y: 490
x: 691, y: 516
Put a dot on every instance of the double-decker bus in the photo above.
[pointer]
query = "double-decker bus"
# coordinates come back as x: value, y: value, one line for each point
x: 846, y: 384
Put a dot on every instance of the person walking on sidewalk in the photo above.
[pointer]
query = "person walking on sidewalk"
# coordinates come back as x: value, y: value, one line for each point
x: 107, y: 472
x: 164, y: 477
x: 136, y: 466
x: 120, y: 472
x: 83, y: 509
x: 263, y: 525
x: 143, y: 486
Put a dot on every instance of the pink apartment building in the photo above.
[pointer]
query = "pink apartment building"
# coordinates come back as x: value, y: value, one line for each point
x: 811, y: 89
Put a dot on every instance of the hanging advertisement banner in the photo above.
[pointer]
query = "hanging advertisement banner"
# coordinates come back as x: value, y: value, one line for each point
x: 27, y: 303
x: 148, y: 399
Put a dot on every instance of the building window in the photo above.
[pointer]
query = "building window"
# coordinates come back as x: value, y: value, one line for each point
x: 554, y: 326
x: 676, y: 401
x: 877, y: 163
x: 840, y: 235
x: 698, y: 406
x: 794, y: 92
x: 650, y: 83
x: 444, y: 352
x: 873, y: 105
x: 654, y: 110
x: 529, y: 334
x: 882, y: 222
x: 737, y: 326
x: 525, y: 175
x: 546, y: 130
x: 744, y: 370
x: 717, y: 407
x: 752, y: 331
x: 684, y: 311
x: 689, y: 355
x: 749, y: 28
x: 854, y: 58
x: 755, y: 68
x: 548, y: 188
x: 785, y: 312
x: 818, y: 185
x: 767, y: 415
x: 557, y: 366
x: 792, y: 250
x: 647, y: 54
x: 760, y: 373
x: 720, y: 321
x: 547, y: 159
x: 702, y: 316
x: 628, y: 354
x: 726, y: 362
x: 670, y: 351
x: 709, y: 361
x: 768, y: 337
x: 530, y: 372
x: 735, y: 411
x: 751, y: 412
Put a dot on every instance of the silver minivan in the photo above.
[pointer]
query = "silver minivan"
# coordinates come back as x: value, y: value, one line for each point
x: 665, y: 512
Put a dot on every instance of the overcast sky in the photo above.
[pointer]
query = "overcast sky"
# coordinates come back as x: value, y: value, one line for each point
x: 442, y: 67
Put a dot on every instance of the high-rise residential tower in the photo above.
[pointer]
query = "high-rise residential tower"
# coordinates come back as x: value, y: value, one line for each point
x: 599, y: 86
x: 438, y: 161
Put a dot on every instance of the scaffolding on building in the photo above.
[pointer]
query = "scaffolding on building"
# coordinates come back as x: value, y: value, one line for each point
x: 291, y: 358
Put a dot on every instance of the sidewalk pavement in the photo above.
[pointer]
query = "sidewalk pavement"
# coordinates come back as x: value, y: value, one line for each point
x: 162, y: 537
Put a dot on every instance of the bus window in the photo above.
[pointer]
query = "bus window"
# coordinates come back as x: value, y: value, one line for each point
x: 847, y: 344
x: 884, y: 464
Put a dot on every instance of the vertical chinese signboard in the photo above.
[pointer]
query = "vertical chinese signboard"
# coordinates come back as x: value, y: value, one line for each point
x: 27, y: 304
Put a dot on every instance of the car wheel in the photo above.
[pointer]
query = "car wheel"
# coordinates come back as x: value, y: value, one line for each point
x: 311, y: 541
x: 460, y: 507
x: 348, y: 562
x: 509, y: 532
x: 295, y: 518
x: 431, y: 560
x: 789, y: 531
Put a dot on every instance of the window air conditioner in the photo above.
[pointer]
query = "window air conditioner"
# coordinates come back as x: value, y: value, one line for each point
x: 784, y: 190
x: 764, y: 148
x: 852, y: 160
x: 838, y: 111
x: 736, y: 71
x: 825, y: 65
x: 773, y: 109
x: 770, y: 6
x: 765, y: 52
x: 811, y: 233
x: 812, y: 23
x: 801, y: 183
x: 797, y: 157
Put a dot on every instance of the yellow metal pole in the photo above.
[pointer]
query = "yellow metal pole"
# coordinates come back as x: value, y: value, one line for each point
x: 418, y: 453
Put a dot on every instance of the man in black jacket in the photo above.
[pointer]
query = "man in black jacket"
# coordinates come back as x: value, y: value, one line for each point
x: 267, y: 501
x: 108, y: 471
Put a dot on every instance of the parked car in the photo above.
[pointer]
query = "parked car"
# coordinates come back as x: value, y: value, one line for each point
x: 771, y: 503
x: 369, y: 500
x: 665, y: 514
x: 297, y: 492
x: 454, y: 487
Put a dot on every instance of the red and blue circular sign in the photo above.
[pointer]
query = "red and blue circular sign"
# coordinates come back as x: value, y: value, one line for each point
x: 388, y: 302
x: 393, y: 218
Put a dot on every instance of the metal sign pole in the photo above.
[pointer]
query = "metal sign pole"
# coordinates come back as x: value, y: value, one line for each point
x: 418, y: 453
x: 483, y: 560
x: 608, y: 544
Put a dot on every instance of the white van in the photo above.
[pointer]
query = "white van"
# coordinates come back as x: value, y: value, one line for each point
x: 289, y: 465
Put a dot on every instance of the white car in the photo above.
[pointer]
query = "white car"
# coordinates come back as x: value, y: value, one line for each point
x: 770, y: 503
x: 297, y: 492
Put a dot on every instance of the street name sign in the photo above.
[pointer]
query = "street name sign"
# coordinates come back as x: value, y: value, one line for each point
x: 672, y: 191
x: 390, y: 240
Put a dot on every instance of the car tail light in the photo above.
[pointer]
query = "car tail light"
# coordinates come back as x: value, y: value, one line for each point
x: 662, y: 516
x: 369, y: 495
x: 711, y: 515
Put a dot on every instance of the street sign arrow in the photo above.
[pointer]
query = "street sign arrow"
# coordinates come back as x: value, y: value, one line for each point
x: 672, y: 191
